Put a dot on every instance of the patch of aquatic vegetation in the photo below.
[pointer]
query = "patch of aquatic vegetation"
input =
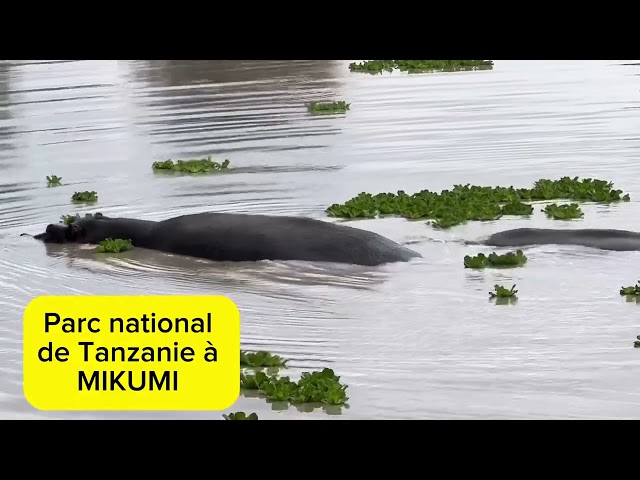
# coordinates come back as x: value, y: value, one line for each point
x: 636, y: 344
x: 633, y: 290
x: 563, y: 212
x: 503, y: 295
x: 116, y: 245
x: 240, y: 416
x: 261, y: 359
x: 516, y: 208
x: 509, y: 259
x: 316, y: 387
x: 503, y: 292
x: 85, y: 197
x: 54, y: 181
x: 465, y: 203
x: 69, y: 219
x: 328, y: 107
x: 419, y: 66
x: 204, y: 165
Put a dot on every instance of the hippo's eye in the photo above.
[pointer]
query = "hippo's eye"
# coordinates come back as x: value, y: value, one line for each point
x: 73, y: 232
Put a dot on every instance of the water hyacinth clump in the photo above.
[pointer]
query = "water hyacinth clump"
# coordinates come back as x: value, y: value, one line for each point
x: 313, y: 387
x: 509, y: 259
x: 69, y: 219
x: 83, y: 197
x: 563, y: 212
x: 54, y: 181
x: 111, y: 245
x: 261, y: 359
x: 204, y: 165
x: 419, y: 66
x: 328, y: 107
x: 633, y: 290
x: 503, y: 292
x: 465, y: 203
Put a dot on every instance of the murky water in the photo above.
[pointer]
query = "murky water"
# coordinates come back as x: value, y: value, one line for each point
x: 417, y: 340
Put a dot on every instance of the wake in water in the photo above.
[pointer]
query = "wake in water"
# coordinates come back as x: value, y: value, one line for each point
x: 192, y: 273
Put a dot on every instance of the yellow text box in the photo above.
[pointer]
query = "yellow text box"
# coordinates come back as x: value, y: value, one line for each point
x: 131, y: 353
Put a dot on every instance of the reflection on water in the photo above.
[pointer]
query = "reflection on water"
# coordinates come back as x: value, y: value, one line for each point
x: 6, y: 126
x: 415, y: 340
x: 227, y: 106
x: 176, y: 270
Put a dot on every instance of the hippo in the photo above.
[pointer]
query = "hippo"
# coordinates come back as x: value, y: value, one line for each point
x: 238, y: 237
x: 604, y: 239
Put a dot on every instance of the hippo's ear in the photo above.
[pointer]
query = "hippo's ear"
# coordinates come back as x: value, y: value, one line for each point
x: 73, y: 232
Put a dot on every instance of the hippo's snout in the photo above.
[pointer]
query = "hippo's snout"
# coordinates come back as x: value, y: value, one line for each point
x: 55, y: 233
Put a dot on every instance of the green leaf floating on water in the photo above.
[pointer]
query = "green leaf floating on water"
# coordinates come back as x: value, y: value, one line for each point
x: 516, y: 208
x: 634, y: 290
x: 479, y: 261
x: 503, y: 292
x: 111, y: 245
x: 322, y: 387
x: 261, y: 359
x: 85, y: 196
x: 254, y: 382
x: 509, y: 259
x: 205, y: 165
x: 328, y: 107
x: 69, y: 219
x: 563, y: 212
x: 280, y: 389
x: 240, y: 416
x: 54, y: 181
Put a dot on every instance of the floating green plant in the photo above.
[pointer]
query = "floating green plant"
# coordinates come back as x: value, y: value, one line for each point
x: 328, y: 107
x: 509, y: 259
x: 465, y: 203
x: 634, y: 290
x: 85, y: 197
x: 419, y: 66
x: 240, y: 416
x: 636, y: 344
x: 205, y: 165
x: 503, y: 292
x: 254, y: 381
x: 563, y: 212
x: 516, y: 208
x: 316, y: 387
x: 54, y: 181
x: 69, y: 219
x: 111, y: 245
x: 261, y: 359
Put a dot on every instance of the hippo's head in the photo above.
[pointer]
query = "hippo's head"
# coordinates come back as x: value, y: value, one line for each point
x: 61, y: 233
x: 76, y: 232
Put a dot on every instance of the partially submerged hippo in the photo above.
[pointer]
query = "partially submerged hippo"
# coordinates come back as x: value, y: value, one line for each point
x: 238, y: 237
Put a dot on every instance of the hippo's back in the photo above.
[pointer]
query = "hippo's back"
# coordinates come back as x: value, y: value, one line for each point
x: 256, y: 237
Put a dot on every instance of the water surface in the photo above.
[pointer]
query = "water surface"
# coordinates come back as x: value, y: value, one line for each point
x: 418, y: 340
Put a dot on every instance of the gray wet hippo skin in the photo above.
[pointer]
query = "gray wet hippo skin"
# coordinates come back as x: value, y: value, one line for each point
x: 605, y: 239
x: 238, y: 237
